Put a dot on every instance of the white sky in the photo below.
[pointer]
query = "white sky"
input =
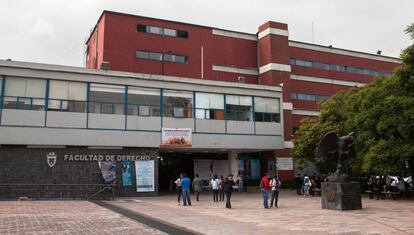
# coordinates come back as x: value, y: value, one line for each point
x: 54, y: 31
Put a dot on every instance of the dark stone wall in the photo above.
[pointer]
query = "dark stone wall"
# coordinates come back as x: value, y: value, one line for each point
x: 24, y: 172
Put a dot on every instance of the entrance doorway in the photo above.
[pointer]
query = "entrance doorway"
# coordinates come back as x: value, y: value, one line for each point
x: 173, y: 163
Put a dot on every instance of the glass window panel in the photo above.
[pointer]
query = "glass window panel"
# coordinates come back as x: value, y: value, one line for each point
x: 268, y: 105
x: 182, y: 34
x: 144, y: 110
x: 178, y: 103
x: 180, y: 59
x: 154, y: 29
x: 107, y: 98
x: 142, y: 54
x: 308, y: 63
x: 169, y: 57
x: 143, y: 97
x: 1, y: 85
x: 300, y: 62
x: 36, y: 88
x: 58, y: 89
x: 141, y: 28
x: 15, y: 86
x: 170, y: 32
x: 209, y: 101
x: 77, y: 91
x: 155, y: 56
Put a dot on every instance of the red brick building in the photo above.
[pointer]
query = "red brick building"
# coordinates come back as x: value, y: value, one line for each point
x: 307, y: 72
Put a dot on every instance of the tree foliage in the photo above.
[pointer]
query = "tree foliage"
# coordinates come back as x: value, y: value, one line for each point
x: 381, y: 115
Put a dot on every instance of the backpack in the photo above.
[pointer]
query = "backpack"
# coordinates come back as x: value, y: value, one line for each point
x: 261, y: 186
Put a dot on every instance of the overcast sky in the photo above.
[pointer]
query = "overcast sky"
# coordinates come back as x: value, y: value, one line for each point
x: 54, y: 31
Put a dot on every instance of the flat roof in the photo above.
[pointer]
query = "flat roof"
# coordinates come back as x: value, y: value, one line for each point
x: 120, y: 74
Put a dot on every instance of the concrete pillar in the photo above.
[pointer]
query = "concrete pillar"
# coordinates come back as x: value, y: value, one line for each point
x: 233, y: 163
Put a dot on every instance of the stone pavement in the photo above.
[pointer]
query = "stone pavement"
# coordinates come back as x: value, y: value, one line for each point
x: 65, y: 217
x: 295, y: 215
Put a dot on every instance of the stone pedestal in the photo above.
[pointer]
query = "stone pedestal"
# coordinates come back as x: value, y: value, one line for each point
x: 341, y: 196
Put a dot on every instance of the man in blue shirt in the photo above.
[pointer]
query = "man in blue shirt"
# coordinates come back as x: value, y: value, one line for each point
x: 186, y: 185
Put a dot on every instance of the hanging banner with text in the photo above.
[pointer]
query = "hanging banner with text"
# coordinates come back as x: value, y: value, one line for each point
x: 284, y: 163
x: 126, y: 173
x: 145, y: 177
x: 176, y: 137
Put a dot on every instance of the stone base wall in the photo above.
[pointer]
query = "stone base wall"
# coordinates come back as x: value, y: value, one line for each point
x: 25, y: 172
x: 341, y: 196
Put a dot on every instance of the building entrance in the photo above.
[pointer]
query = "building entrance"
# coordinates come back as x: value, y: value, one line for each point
x: 173, y: 163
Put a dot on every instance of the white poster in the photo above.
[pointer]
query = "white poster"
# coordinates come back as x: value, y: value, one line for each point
x: 144, y: 171
x: 284, y: 163
x: 176, y: 137
x: 206, y: 169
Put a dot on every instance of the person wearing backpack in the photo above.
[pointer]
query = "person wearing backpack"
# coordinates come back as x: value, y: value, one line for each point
x: 265, y: 187
x: 215, y: 186
x: 275, y: 184
x: 178, y: 186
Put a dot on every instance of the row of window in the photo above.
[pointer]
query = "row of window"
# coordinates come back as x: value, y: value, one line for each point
x: 27, y: 93
x: 148, y: 55
x: 309, y: 97
x: 336, y: 67
x: 162, y: 31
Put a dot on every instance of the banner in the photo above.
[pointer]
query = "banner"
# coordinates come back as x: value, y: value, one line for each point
x: 284, y: 163
x: 208, y: 168
x: 144, y: 171
x: 108, y: 170
x: 126, y: 173
x: 176, y: 137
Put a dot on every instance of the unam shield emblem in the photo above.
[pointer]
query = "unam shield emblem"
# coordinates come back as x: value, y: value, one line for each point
x: 51, y: 159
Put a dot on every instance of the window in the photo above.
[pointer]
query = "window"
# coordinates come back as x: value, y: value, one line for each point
x: 308, y: 97
x: 106, y: 99
x: 155, y: 56
x: 67, y: 96
x: 182, y: 34
x: 143, y: 101
x: 154, y: 29
x: 209, y: 106
x: 266, y: 109
x: 178, y: 104
x: 24, y: 93
x: 162, y: 31
x: 170, y: 32
x: 141, y: 28
x: 239, y: 108
x: 175, y: 58
x: 142, y: 54
x: 181, y: 59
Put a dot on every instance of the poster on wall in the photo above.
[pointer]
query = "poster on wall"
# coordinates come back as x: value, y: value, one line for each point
x: 206, y: 169
x: 144, y: 171
x: 284, y: 163
x: 108, y: 170
x: 176, y: 137
x: 126, y: 173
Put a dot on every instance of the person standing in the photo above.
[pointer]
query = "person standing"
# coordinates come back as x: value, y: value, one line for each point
x: 228, y: 189
x: 215, y: 186
x: 178, y: 186
x: 275, y: 185
x: 221, y: 188
x: 265, y: 186
x: 197, y: 186
x: 298, y: 185
x: 306, y: 186
x: 241, y: 182
x: 186, y: 184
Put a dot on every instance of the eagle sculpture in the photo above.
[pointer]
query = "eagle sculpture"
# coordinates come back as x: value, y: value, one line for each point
x: 340, y: 148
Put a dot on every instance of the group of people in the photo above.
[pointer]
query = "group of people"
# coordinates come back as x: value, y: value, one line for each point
x: 223, y: 187
x: 309, y: 185
x: 379, y: 186
x: 270, y: 185
x: 219, y: 185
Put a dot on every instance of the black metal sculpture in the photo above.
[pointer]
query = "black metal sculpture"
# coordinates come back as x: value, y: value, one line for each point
x: 340, y: 149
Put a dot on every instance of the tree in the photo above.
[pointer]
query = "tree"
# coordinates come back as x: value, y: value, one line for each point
x: 381, y: 115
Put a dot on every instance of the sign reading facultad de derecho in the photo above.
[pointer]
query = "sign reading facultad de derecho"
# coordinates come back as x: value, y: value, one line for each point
x: 107, y: 157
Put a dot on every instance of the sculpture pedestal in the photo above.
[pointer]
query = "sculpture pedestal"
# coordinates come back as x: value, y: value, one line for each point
x: 341, y: 196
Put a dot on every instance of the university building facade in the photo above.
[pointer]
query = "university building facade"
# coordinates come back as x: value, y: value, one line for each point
x: 158, y: 98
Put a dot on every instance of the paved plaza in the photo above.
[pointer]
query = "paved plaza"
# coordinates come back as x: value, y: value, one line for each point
x: 295, y: 215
